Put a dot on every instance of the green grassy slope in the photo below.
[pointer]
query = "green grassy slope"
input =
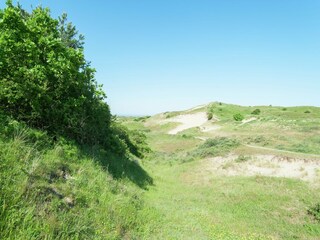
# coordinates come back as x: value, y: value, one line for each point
x: 59, y: 190
x: 198, y: 204
x: 56, y: 189
x: 287, y: 128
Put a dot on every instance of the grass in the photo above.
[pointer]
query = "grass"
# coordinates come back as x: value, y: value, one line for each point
x: 55, y: 189
x: 230, y: 207
x: 59, y: 190
x: 194, y: 204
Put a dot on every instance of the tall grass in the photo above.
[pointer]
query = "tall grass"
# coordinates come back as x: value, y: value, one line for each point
x: 59, y: 190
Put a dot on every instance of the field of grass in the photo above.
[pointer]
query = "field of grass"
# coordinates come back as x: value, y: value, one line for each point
x: 56, y: 189
x: 195, y: 203
x: 60, y: 190
x: 230, y: 207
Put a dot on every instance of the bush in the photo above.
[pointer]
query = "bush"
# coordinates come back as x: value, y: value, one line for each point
x: 242, y: 158
x: 45, y: 79
x: 315, y: 211
x: 215, y: 147
x: 47, y: 83
x: 238, y: 117
x: 132, y: 140
x: 256, y: 112
x: 307, y: 111
x: 209, y: 115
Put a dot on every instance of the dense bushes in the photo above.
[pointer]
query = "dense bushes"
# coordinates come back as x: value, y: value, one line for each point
x: 238, y: 117
x: 215, y: 147
x: 57, y: 178
x: 45, y: 79
x: 256, y: 111
x: 47, y: 83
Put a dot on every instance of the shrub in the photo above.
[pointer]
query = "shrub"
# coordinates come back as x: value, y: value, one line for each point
x: 215, y: 147
x: 238, y: 117
x: 209, y: 115
x: 307, y: 111
x: 242, y: 158
x: 47, y: 83
x: 132, y: 140
x: 45, y: 79
x: 284, y: 109
x: 315, y: 211
x: 256, y: 112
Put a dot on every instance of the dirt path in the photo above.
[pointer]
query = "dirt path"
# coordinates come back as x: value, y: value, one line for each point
x: 283, y: 151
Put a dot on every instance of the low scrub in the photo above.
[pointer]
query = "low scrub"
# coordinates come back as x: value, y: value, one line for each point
x: 209, y: 115
x: 256, y: 111
x: 242, y: 158
x: 315, y: 212
x: 215, y: 147
x: 238, y: 117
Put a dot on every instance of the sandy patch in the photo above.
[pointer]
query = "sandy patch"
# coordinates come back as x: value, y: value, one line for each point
x: 263, y: 165
x: 248, y: 120
x: 187, y: 121
x: 202, y: 138
x: 209, y: 128
x: 192, y: 120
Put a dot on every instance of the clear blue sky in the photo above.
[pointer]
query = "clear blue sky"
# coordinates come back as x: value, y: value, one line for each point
x: 162, y: 55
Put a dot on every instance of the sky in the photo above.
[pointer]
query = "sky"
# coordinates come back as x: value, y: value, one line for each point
x: 165, y: 55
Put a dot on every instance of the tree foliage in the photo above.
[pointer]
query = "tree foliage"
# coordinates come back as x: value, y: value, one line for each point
x: 256, y: 111
x: 45, y: 79
x: 238, y: 117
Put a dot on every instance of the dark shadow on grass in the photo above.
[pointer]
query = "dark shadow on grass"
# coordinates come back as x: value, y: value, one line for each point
x: 120, y: 167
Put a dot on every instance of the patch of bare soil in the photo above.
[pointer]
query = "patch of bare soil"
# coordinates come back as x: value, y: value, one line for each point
x: 248, y: 120
x: 187, y: 121
x: 263, y: 165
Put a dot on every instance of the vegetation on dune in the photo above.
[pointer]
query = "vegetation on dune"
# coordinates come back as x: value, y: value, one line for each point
x: 68, y: 169
x: 215, y: 147
x: 47, y: 83
x: 315, y: 211
x: 287, y: 128
x: 46, y: 80
x: 238, y: 117
x: 256, y: 111
x: 198, y: 202
x: 209, y: 115
x: 71, y: 170
x: 61, y: 190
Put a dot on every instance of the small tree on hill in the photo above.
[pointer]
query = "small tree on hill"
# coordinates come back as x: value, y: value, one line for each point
x: 256, y: 111
x: 238, y: 117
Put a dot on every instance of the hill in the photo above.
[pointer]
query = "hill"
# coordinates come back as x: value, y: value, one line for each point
x: 57, y: 189
x: 221, y: 176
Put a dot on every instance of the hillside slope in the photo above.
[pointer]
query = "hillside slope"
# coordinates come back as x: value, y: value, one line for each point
x: 56, y: 189
x: 253, y: 178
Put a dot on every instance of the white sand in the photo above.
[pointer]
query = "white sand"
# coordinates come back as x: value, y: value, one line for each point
x: 187, y: 121
x: 248, y: 120
x: 263, y: 165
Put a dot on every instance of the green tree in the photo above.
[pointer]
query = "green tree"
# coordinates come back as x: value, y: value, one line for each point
x: 238, y: 117
x: 45, y: 79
